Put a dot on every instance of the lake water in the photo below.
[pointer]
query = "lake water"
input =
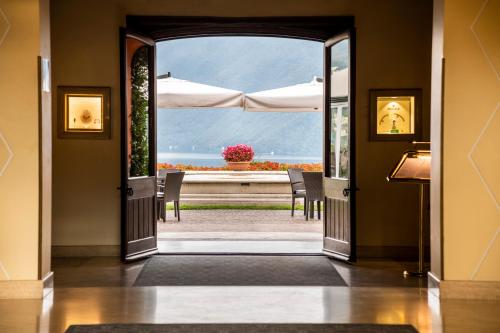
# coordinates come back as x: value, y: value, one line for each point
x: 216, y: 160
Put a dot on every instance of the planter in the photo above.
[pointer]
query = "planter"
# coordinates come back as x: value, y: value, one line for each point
x: 238, y: 166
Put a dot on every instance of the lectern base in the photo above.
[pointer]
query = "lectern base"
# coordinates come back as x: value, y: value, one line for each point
x: 417, y: 274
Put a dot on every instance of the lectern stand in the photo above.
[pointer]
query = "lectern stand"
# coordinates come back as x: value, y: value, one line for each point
x: 414, y: 167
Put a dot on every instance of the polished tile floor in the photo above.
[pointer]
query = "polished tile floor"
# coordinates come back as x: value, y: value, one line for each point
x: 97, y: 290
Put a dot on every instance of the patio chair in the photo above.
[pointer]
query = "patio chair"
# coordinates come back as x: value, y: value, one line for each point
x: 298, y: 189
x: 170, y: 191
x: 313, y: 182
x: 161, y: 174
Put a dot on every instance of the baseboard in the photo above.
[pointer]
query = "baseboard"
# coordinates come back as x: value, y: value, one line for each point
x: 389, y: 252
x: 86, y: 251
x: 21, y: 289
x: 483, y: 290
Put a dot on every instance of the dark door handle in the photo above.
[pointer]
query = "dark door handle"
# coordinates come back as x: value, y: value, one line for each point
x: 348, y: 190
x: 130, y: 191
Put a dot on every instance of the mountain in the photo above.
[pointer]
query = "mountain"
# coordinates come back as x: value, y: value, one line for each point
x: 248, y: 64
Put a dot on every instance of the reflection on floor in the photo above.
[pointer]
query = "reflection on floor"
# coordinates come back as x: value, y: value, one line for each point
x: 95, y: 290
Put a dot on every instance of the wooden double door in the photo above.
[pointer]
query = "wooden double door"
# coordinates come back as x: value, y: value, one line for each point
x: 138, y: 130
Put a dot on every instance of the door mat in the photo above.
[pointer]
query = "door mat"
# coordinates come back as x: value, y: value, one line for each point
x: 241, y: 328
x: 239, y: 270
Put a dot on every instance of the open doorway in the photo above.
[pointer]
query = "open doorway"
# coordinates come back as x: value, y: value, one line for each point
x: 249, y: 210
x: 140, y: 208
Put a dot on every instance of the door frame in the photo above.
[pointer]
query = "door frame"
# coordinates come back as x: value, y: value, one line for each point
x: 317, y: 28
x: 314, y: 28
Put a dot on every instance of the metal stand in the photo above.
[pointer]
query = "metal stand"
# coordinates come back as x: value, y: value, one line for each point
x: 420, y: 272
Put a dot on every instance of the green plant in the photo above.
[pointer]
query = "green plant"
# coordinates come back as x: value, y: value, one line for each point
x: 139, y: 159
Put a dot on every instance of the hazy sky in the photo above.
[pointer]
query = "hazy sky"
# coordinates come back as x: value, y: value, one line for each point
x: 248, y: 64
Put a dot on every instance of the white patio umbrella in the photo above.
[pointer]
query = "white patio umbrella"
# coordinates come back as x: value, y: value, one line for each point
x: 177, y: 93
x: 305, y: 97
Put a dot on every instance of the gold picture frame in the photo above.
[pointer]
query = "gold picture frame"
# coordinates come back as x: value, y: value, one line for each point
x: 84, y: 112
x: 395, y: 114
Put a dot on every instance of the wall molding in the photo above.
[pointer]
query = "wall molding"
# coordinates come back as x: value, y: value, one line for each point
x: 21, y: 289
x: 483, y: 290
x: 85, y: 251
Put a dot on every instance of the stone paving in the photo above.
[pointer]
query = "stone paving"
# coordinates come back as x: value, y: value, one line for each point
x: 224, y: 224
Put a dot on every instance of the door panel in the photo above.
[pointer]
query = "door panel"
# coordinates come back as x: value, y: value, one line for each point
x: 339, y: 167
x: 138, y: 140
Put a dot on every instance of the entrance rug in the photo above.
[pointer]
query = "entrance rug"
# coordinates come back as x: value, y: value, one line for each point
x: 241, y: 328
x: 239, y: 270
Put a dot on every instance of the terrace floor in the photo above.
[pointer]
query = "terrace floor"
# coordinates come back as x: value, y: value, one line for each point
x: 228, y: 230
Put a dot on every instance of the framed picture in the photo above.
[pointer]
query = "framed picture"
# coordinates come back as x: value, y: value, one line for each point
x: 395, y: 114
x: 83, y: 112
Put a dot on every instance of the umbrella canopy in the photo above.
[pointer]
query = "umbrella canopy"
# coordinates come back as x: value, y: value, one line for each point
x: 305, y: 97
x: 176, y: 93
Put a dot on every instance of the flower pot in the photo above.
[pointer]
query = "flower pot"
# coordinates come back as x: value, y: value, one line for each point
x: 238, y: 166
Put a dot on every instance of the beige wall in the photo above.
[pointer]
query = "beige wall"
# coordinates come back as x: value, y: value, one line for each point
x: 471, y: 139
x: 23, y: 37
x: 393, y: 51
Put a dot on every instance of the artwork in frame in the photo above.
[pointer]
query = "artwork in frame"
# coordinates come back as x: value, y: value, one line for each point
x: 395, y: 114
x: 83, y: 112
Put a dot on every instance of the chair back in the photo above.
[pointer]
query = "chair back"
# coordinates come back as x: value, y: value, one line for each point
x: 313, y: 182
x: 163, y: 172
x: 173, y: 183
x: 296, y: 179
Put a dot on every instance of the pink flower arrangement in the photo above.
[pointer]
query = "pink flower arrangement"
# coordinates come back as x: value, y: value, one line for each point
x: 238, y: 153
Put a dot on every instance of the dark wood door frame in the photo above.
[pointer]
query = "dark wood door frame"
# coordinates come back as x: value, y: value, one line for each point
x: 317, y: 28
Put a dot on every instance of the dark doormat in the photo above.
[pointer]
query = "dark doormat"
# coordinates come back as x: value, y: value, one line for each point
x: 242, y: 328
x: 239, y: 270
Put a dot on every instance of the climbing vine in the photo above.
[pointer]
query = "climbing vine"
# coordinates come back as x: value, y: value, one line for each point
x: 139, y: 159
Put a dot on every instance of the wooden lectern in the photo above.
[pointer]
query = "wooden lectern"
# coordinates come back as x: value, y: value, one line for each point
x: 415, y: 167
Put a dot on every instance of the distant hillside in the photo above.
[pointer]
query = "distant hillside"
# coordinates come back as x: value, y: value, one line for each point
x: 248, y: 64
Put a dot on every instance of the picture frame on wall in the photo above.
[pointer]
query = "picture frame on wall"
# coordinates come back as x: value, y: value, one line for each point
x: 395, y: 114
x: 84, y: 112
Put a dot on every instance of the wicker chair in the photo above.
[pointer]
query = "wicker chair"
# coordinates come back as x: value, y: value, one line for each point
x: 297, y: 184
x: 171, y: 191
x: 313, y: 182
